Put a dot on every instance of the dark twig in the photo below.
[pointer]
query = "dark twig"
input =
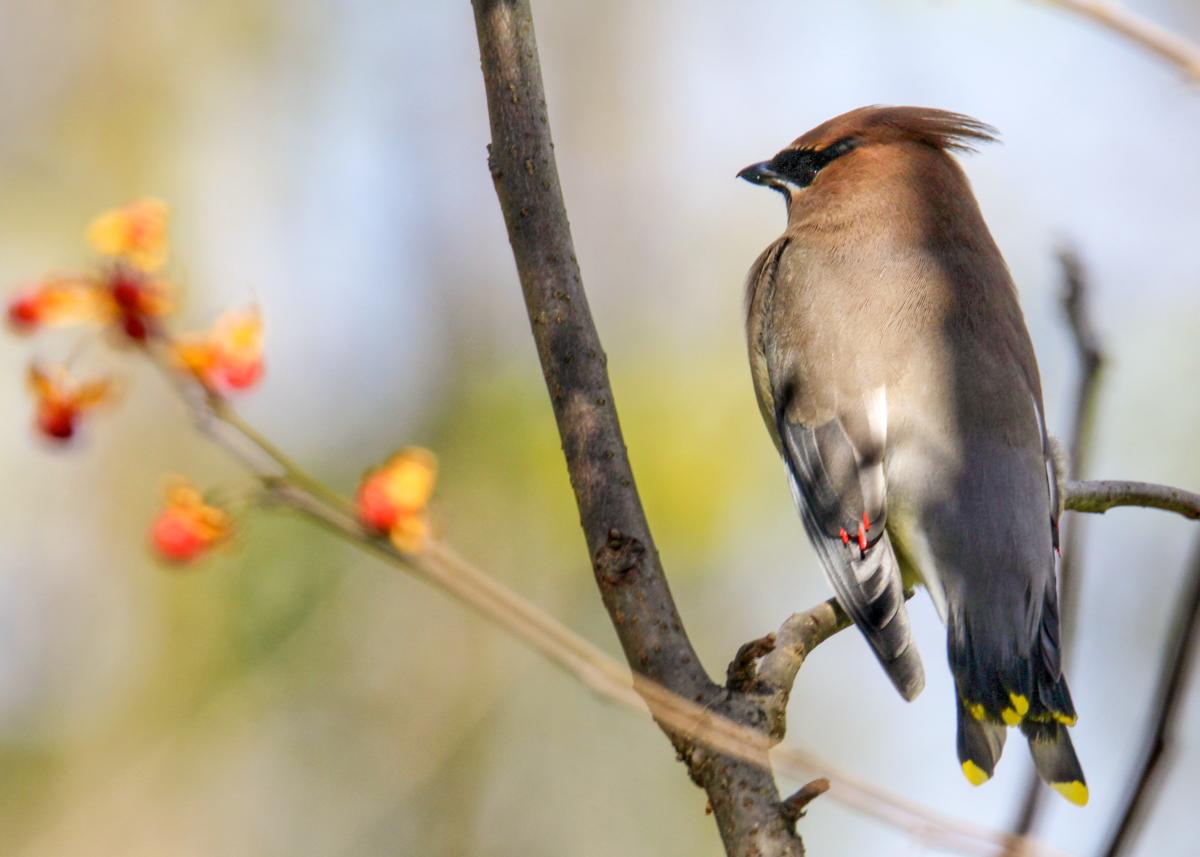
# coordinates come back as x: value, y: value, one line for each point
x: 1089, y: 353
x: 744, y: 797
x: 794, y: 806
x: 1090, y: 358
x: 743, y: 669
x: 1181, y: 651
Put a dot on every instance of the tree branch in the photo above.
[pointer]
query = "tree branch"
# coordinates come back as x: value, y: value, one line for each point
x: 1181, y: 651
x: 1099, y: 497
x: 796, y: 803
x: 744, y: 797
x: 793, y: 642
x: 521, y: 159
x: 1158, y: 40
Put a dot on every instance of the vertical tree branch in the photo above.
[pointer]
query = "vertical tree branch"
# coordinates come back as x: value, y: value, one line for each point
x: 521, y: 159
x: 1181, y: 650
x: 743, y: 796
x: 1090, y: 357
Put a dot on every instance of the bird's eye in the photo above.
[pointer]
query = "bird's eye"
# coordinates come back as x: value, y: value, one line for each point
x: 795, y: 165
x: 800, y: 166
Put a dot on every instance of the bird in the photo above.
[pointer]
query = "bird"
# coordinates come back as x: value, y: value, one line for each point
x: 895, y: 374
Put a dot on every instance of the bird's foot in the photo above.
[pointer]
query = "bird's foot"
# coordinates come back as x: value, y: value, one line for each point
x: 860, y: 537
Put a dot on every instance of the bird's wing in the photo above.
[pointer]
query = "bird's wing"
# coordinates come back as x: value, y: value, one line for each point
x: 1049, y: 455
x: 837, y: 478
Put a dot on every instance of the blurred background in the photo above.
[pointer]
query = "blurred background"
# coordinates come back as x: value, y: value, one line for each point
x: 327, y: 159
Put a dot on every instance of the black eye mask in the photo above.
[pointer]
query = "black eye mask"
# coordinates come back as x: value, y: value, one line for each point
x: 800, y: 166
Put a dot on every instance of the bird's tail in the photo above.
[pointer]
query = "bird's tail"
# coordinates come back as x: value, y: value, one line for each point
x: 980, y: 743
x: 1051, y: 712
x: 999, y: 687
x: 1055, y: 759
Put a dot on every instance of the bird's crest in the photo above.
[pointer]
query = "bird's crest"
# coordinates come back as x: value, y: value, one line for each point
x: 938, y: 128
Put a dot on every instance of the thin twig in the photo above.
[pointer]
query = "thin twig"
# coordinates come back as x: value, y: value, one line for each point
x: 742, y: 671
x: 222, y: 411
x: 1089, y: 354
x: 1158, y: 40
x: 1100, y: 496
x: 1176, y: 668
x: 211, y: 411
x: 795, y: 805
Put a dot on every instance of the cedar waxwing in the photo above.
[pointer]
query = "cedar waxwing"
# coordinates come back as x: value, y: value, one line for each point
x: 897, y: 379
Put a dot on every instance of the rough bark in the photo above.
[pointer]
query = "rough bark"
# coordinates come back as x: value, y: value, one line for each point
x: 744, y: 798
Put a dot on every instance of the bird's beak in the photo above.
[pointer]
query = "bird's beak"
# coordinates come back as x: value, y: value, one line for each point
x: 762, y: 173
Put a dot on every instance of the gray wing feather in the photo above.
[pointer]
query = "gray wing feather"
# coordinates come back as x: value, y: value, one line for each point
x: 832, y: 492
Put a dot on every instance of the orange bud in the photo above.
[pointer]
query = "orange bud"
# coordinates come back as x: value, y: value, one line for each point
x: 375, y: 507
x: 24, y: 313
x: 60, y: 402
x: 137, y: 300
x: 56, y: 420
x: 57, y: 300
x: 237, y: 339
x: 187, y: 527
x: 241, y: 375
x: 410, y: 533
x: 229, y: 355
x: 135, y: 233
x: 194, y: 353
x: 393, y: 498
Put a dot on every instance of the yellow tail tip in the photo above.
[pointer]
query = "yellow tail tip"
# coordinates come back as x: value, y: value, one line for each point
x: 1076, y: 792
x: 1064, y: 719
x: 1014, y: 715
x: 977, y: 776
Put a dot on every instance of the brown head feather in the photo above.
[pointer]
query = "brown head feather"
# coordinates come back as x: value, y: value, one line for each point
x: 937, y: 128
